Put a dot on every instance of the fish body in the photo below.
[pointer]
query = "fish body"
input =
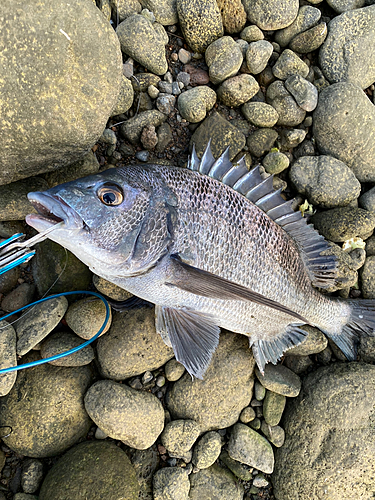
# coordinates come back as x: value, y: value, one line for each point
x: 208, y: 252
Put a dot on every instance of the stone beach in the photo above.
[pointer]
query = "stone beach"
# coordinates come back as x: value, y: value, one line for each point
x: 286, y: 84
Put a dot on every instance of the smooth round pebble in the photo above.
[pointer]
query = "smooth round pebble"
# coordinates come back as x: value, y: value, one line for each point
x: 260, y: 114
x: 309, y: 40
x: 275, y: 162
x: 8, y: 356
x: 260, y: 481
x: 314, y: 342
x: 368, y: 278
x: 237, y: 90
x: 289, y: 64
x: 271, y: 14
x: 280, y: 380
x: 240, y: 470
x: 261, y: 141
x: 194, y: 103
x: 207, y: 450
x: 215, y: 482
x: 304, y: 92
x: 174, y: 370
x: 259, y: 391
x: 247, y: 415
x: 252, y: 34
x: 19, y: 297
x: 109, y: 289
x: 290, y: 114
x: 224, y: 59
x: 60, y: 342
x: 86, y: 316
x: 273, y: 407
x: 307, y: 17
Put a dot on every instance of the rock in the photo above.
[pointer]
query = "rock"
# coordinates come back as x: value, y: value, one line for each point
x: 215, y: 482
x: 194, y: 103
x: 8, y: 357
x: 9, y: 228
x: 261, y: 141
x: 367, y: 275
x: 249, y: 447
x: 348, y: 54
x: 93, y: 469
x: 126, y: 8
x: 165, y: 137
x: 165, y: 11
x: 344, y: 128
x: 341, y: 224
x: 291, y: 138
x: 260, y: 481
x: 151, y: 52
x: 252, y: 34
x: 32, y: 475
x: 259, y: 391
x: 40, y: 430
x: 125, y: 97
x: 273, y: 407
x: 60, y: 342
x: 85, y: 166
x: 48, y: 92
x: 314, y: 342
x: 346, y: 266
x: 366, y: 351
x: 198, y: 76
x: 145, y: 462
x: 179, y: 436
x: 222, y: 133
x: 271, y: 15
x: 36, y: 323
x: 24, y: 496
x: 224, y: 58
x: 325, y: 181
x: 304, y: 92
x: 275, y: 434
x: 149, y: 137
x: 86, y: 316
x: 57, y: 270
x: 9, y: 280
x: 216, y: 401
x: 142, y: 81
x: 237, y: 90
x: 174, y: 370
x: 275, y: 162
x: 309, y: 40
x: 207, y: 450
x: 334, y: 423
x: 307, y: 17
x: 165, y: 103
x: 298, y: 364
x: 342, y: 6
x: 247, y: 415
x: 280, y: 380
x: 200, y: 23
x: 19, y: 297
x: 367, y: 200
x: 240, y: 470
x: 134, y: 417
x: 14, y: 204
x: 289, y: 64
x: 132, y: 345
x: 260, y: 114
x: 258, y: 55
x: 132, y: 128
x: 290, y: 114
x: 110, y: 289
x: 233, y: 15
x: 171, y: 483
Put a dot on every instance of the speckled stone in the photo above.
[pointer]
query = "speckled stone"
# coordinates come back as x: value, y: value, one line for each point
x: 252, y: 34
x: 273, y: 407
x: 132, y: 128
x: 85, y: 166
x: 275, y: 162
x: 86, y: 316
x: 271, y: 14
x: 125, y: 97
x: 200, y: 23
x: 304, y: 92
x: 207, y: 450
x: 258, y: 55
x: 60, y: 342
x: 224, y: 58
x: 309, y: 40
x: 174, y: 370
x: 240, y: 470
x: 8, y: 356
x: 314, y: 342
x: 171, y: 483
x: 307, y: 17
x: 215, y: 483
x: 341, y: 224
x: 194, y: 103
x: 179, y: 436
x: 274, y: 434
x: 348, y: 54
x: 290, y: 114
x: 109, y: 289
x: 233, y: 15
x: 279, y: 379
x: 249, y: 447
x: 165, y: 11
x: 151, y: 52
x: 367, y: 278
x: 14, y: 204
x: 261, y: 141
x: 289, y: 64
x: 237, y: 90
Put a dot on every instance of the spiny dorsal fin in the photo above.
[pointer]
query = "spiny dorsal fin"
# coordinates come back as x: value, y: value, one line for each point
x: 260, y: 191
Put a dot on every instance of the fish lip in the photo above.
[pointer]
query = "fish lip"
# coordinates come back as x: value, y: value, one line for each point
x: 53, y: 209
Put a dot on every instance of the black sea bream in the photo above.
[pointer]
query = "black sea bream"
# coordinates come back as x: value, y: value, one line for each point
x: 211, y: 246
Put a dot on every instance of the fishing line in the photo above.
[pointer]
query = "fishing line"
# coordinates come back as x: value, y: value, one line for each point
x: 70, y: 351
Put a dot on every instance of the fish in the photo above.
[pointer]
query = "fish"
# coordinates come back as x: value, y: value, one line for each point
x: 213, y: 246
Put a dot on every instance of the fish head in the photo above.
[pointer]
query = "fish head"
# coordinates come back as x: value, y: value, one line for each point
x: 106, y: 217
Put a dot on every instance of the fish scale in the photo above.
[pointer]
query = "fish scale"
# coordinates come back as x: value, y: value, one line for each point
x: 211, y: 246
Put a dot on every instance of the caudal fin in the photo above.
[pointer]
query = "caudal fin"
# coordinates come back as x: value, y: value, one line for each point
x: 361, y: 323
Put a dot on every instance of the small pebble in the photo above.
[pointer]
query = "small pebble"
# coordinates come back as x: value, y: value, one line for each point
x: 260, y: 481
x: 184, y: 56
x: 147, y: 377
x: 32, y: 475
x: 153, y: 92
x: 174, y: 370
x: 99, y: 434
x: 259, y: 391
x: 160, y: 381
x: 247, y: 415
x: 142, y: 156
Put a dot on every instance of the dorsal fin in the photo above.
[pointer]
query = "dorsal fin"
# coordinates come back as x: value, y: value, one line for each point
x: 254, y: 187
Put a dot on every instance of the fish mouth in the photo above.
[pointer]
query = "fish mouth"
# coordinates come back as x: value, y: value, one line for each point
x: 51, y: 210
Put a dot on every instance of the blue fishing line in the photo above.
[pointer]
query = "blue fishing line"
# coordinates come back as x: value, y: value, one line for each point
x: 66, y: 353
x: 16, y: 263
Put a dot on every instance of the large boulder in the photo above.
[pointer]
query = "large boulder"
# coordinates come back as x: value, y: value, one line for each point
x: 60, y: 79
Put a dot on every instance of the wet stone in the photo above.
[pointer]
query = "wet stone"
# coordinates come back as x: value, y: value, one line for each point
x: 174, y: 370
x: 240, y: 470
x: 289, y: 64
x: 32, y: 475
x: 134, y: 417
x: 341, y: 224
x: 275, y: 162
x: 290, y: 114
x: 280, y: 380
x: 271, y: 14
x: 273, y: 407
x: 258, y: 55
x: 252, y: 34
x: 274, y: 434
x: 215, y: 482
x: 261, y: 141
x: 237, y: 90
x: 207, y: 450
x: 309, y: 40
x: 179, y: 436
x: 60, y: 342
x: 8, y: 356
x: 34, y: 325
x: 224, y: 59
x: 171, y: 483
x: 260, y: 114
x: 307, y: 17
x: 304, y: 92
x: 194, y: 103
x: 249, y: 447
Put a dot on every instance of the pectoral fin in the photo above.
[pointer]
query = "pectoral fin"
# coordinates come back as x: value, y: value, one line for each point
x: 194, y: 337
x: 206, y: 284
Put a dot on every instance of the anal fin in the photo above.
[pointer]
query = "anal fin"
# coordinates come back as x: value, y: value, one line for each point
x: 194, y: 337
x: 271, y: 350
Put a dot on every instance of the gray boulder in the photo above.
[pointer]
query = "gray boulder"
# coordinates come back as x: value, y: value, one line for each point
x: 344, y: 127
x: 328, y: 450
x: 71, y: 67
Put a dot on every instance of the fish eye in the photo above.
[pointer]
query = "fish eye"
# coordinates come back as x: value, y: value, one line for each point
x: 110, y: 194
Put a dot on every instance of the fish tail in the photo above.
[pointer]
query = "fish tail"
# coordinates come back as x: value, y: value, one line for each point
x: 361, y: 322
